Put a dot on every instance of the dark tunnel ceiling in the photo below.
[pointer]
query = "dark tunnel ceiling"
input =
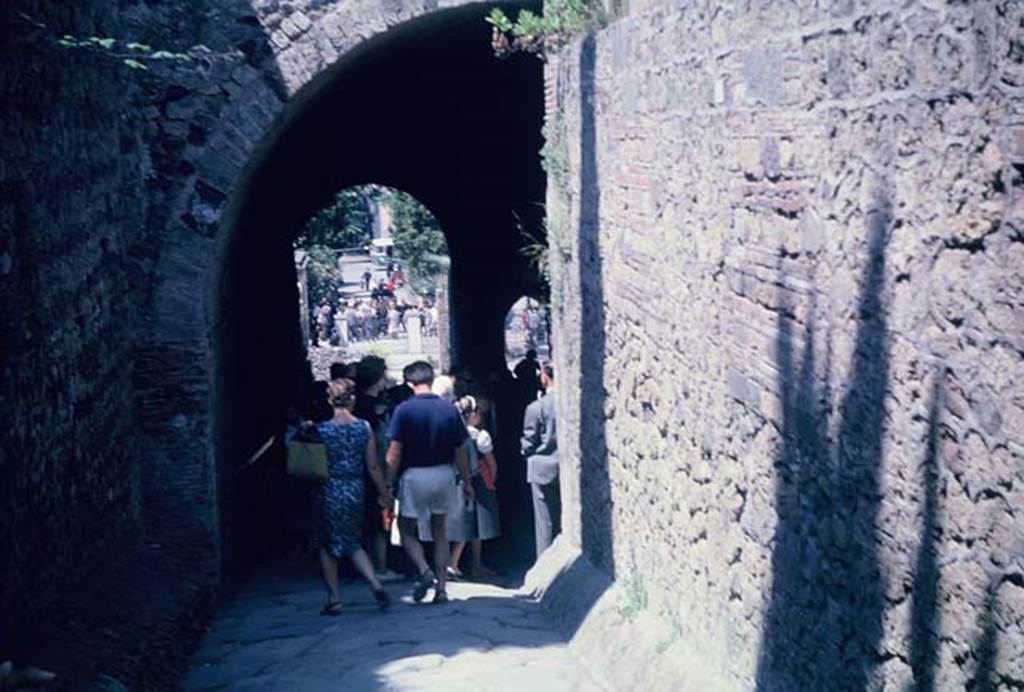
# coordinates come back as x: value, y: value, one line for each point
x: 426, y: 108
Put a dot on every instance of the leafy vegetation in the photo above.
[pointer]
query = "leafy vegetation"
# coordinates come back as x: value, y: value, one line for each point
x: 534, y: 33
x: 322, y: 274
x: 133, y: 54
x: 420, y: 244
x: 346, y: 223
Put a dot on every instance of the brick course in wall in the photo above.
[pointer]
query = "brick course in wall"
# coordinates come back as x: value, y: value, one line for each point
x: 801, y: 227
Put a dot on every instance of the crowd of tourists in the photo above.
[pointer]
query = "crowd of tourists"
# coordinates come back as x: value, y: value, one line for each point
x: 412, y: 463
x: 530, y: 324
x: 368, y: 319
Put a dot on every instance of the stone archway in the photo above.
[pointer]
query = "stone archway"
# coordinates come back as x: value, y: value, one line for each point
x: 271, y: 156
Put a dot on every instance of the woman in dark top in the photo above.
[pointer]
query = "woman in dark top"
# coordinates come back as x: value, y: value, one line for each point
x: 338, y: 502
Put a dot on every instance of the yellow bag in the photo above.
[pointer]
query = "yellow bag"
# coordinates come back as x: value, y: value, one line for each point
x: 307, y: 460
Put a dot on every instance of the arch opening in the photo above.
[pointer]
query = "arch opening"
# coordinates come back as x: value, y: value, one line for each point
x: 426, y: 109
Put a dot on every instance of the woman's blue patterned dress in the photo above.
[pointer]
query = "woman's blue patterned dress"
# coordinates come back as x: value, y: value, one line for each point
x: 338, y: 503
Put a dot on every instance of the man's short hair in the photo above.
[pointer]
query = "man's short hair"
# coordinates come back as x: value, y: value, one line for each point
x: 531, y: 354
x: 420, y: 372
x: 549, y: 370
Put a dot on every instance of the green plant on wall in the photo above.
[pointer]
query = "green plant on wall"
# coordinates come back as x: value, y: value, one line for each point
x: 529, y: 32
x: 132, y: 54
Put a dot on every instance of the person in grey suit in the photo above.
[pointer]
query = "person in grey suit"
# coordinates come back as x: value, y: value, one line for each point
x: 540, y: 449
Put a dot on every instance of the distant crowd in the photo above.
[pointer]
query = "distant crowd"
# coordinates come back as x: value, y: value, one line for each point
x: 531, y: 323
x: 369, y: 319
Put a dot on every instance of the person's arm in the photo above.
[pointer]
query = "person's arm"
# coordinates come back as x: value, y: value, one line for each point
x: 393, y: 458
x: 531, y: 431
x: 300, y: 429
x: 376, y: 472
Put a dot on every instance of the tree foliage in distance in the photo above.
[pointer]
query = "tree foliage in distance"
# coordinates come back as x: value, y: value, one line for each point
x: 323, y: 275
x: 419, y: 242
x: 346, y: 223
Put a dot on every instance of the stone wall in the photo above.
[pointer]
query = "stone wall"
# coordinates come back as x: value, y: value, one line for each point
x: 789, y: 273
x: 71, y: 214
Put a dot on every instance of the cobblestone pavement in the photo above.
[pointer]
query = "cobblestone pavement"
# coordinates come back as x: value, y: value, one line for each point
x: 270, y: 636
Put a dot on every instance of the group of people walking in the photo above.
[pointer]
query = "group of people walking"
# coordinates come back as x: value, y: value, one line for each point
x: 412, y: 451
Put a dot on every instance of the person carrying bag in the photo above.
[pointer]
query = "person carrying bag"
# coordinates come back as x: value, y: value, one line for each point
x: 307, y: 456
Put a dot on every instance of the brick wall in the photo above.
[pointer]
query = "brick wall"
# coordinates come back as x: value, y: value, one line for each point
x: 792, y: 237
x: 71, y: 209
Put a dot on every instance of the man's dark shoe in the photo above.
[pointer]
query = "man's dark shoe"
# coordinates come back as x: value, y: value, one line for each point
x: 383, y: 599
x: 425, y: 582
x: 440, y: 596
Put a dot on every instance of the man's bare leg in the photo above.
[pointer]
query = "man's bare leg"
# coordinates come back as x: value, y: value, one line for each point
x: 439, y: 530
x: 411, y: 543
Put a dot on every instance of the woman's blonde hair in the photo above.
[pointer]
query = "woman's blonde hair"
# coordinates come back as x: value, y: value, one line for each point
x: 341, y: 393
x: 466, y: 405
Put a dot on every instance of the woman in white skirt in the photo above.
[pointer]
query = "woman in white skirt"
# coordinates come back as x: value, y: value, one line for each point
x: 479, y: 520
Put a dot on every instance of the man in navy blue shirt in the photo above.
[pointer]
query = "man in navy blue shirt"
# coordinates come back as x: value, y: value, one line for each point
x: 427, y: 435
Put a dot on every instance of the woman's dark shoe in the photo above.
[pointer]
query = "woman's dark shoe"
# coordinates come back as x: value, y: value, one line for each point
x: 423, y: 584
x: 383, y: 598
x: 440, y: 596
x: 332, y: 608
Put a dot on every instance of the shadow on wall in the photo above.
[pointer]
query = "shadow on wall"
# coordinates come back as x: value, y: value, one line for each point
x: 824, y: 621
x: 986, y: 648
x: 824, y: 624
x: 925, y: 617
x: 595, y: 486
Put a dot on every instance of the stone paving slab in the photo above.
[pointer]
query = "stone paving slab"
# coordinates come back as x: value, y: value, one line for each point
x: 270, y: 636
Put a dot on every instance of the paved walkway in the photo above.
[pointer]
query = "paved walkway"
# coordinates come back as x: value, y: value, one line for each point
x: 270, y: 636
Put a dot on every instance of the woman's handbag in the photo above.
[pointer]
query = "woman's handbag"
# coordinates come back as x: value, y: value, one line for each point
x: 307, y: 460
x: 488, y: 477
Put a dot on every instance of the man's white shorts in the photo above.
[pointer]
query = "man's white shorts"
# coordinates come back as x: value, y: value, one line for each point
x: 426, y: 490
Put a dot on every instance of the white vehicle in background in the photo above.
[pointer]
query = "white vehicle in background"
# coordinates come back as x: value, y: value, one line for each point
x: 382, y: 251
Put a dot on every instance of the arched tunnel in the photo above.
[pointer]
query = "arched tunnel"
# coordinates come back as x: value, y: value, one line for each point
x: 426, y: 108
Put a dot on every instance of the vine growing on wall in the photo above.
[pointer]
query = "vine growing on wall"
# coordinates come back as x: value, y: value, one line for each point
x: 538, y: 34
x: 132, y: 54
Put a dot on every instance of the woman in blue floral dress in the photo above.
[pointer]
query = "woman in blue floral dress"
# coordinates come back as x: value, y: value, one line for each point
x: 338, y: 502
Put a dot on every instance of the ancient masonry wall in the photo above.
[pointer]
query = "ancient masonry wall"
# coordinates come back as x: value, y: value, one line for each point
x: 71, y: 206
x: 789, y: 261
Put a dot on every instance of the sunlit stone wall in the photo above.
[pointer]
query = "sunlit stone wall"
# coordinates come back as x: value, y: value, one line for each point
x: 790, y: 299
